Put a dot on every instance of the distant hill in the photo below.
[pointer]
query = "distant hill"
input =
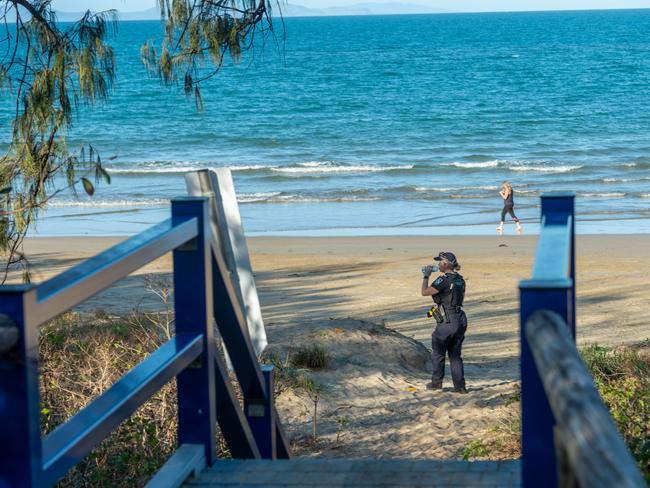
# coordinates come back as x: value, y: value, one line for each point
x: 291, y: 10
x: 149, y: 14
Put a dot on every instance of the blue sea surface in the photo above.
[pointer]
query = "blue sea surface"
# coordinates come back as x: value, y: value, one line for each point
x: 385, y: 125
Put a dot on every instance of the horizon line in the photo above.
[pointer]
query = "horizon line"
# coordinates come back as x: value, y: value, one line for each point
x: 441, y: 12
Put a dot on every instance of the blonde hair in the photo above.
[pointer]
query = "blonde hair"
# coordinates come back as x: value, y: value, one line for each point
x: 507, y: 185
x: 455, y: 267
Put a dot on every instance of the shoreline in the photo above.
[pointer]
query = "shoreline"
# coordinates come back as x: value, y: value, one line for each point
x: 114, y: 238
x: 594, y: 228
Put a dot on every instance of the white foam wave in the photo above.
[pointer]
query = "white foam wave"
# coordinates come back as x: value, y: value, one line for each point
x: 546, y: 169
x: 154, y: 202
x: 424, y: 188
x: 644, y: 195
x: 257, y: 197
x: 458, y: 188
x: 604, y: 195
x: 625, y: 180
x: 316, y: 199
x: 251, y: 167
x: 515, y: 165
x: 308, y: 167
x: 316, y: 167
x: 154, y: 168
x: 261, y: 197
x: 485, y: 164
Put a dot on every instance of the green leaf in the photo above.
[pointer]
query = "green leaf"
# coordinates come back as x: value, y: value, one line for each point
x: 100, y: 172
x: 88, y: 186
x: 106, y: 175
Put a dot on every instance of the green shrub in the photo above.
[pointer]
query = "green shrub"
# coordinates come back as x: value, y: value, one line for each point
x: 312, y: 357
x: 476, y: 449
x: 80, y: 357
x: 622, y: 376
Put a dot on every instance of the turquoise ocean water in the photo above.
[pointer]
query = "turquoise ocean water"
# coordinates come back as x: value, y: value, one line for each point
x: 387, y: 125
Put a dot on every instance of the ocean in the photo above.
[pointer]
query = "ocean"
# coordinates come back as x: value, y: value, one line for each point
x: 380, y: 125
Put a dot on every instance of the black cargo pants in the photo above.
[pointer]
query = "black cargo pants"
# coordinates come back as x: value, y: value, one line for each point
x: 447, y: 339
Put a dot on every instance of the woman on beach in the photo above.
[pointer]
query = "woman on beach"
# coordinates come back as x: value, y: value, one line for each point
x: 508, y: 206
x: 448, y: 293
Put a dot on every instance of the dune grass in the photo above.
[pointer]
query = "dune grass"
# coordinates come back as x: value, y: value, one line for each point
x: 80, y: 357
x: 622, y: 376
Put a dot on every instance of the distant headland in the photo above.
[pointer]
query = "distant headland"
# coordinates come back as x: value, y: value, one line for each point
x: 293, y: 10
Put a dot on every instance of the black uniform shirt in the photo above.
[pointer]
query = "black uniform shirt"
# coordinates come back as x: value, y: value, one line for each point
x: 443, y: 285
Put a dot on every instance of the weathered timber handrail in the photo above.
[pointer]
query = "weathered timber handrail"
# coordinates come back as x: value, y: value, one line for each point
x: 239, y: 323
x: 597, y: 454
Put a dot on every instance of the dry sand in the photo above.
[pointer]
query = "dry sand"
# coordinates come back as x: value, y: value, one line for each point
x: 359, y: 298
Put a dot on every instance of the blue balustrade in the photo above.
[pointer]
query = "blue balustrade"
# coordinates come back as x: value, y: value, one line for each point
x: 202, y: 292
x: 551, y: 287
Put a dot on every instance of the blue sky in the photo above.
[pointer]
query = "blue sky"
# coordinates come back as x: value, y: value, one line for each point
x: 452, y: 5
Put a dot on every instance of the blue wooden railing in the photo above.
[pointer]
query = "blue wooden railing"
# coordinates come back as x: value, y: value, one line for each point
x: 568, y: 435
x: 202, y: 292
x: 552, y: 287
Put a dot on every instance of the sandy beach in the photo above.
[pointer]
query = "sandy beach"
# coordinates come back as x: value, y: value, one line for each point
x: 359, y: 298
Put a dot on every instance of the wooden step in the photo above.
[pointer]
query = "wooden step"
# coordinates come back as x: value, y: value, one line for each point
x: 334, y: 473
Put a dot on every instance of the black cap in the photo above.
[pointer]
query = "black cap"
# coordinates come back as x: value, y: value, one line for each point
x: 448, y: 256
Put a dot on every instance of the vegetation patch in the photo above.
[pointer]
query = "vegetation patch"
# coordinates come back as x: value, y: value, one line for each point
x: 313, y: 356
x: 476, y: 449
x: 502, y: 441
x: 81, y: 356
x: 622, y: 376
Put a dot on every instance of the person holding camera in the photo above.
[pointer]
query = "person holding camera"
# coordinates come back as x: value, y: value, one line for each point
x: 448, y: 293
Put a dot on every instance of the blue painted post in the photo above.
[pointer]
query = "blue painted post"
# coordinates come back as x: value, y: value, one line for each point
x: 537, y: 421
x: 261, y: 417
x: 194, y: 312
x: 560, y: 207
x: 20, y: 433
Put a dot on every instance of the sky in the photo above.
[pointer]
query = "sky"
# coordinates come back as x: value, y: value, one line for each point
x: 451, y: 5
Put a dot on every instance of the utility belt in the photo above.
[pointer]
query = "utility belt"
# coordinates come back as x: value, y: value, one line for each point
x: 442, y: 312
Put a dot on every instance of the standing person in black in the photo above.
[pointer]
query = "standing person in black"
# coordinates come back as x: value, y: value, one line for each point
x: 508, y: 206
x: 448, y: 293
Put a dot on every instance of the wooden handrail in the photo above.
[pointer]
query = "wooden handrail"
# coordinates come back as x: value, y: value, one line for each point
x: 596, y: 452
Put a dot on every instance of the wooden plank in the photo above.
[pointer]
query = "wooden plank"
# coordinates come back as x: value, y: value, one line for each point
x: 597, y: 453
x: 331, y: 473
x: 188, y: 460
x: 228, y: 233
x: 232, y: 421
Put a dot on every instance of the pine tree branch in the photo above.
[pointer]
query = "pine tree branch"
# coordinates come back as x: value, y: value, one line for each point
x: 39, y: 17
